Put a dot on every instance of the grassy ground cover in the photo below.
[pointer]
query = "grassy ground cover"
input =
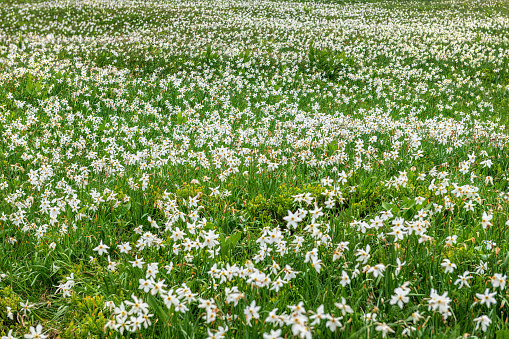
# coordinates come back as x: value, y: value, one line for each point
x: 254, y: 169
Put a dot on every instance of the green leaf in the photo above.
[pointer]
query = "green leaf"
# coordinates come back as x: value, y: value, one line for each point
x: 38, y: 87
x: 506, y: 261
x: 393, y: 208
x: 311, y: 52
x: 408, y: 213
x: 30, y: 85
x: 208, y: 226
x: 332, y: 147
x: 209, y: 51
x: 502, y: 334
x: 180, y: 119
x: 161, y: 314
x: 234, y: 239
x: 229, y: 243
x: 124, y: 209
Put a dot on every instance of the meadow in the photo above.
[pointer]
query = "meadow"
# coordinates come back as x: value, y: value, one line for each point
x: 254, y: 169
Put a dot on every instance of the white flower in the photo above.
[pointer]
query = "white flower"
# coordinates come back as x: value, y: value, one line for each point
x: 345, y: 279
x: 408, y: 331
x: 109, y: 304
x: 486, y: 218
x: 138, y: 262
x: 400, y: 297
x: 169, y: 299
x: 419, y: 200
x: 369, y: 317
x: 138, y: 306
x: 251, y: 312
x: 292, y: 219
x: 274, y: 334
x: 112, y: 265
x: 481, y: 268
x: 343, y: 306
x: 363, y: 255
x: 448, y: 265
x: 487, y: 163
x: 451, y: 240
x: 333, y: 323
x: 101, y: 248
x: 122, y: 324
x: 158, y: 288
x: 484, y: 321
x: 9, y: 335
x: 499, y: 280
x: 110, y: 324
x: 439, y: 303
x: 124, y: 247
x: 36, y: 333
x: 416, y: 316
x: 487, y: 298
x: 384, y: 328
x: 9, y: 313
x: 463, y: 279
x: 276, y: 285
x: 377, y: 270
x: 469, y: 206
x: 273, y: 317
x: 317, y: 264
x: 26, y: 307
x: 318, y: 316
x: 400, y: 266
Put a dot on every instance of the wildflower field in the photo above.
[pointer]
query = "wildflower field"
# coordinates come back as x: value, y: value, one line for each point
x: 254, y: 169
